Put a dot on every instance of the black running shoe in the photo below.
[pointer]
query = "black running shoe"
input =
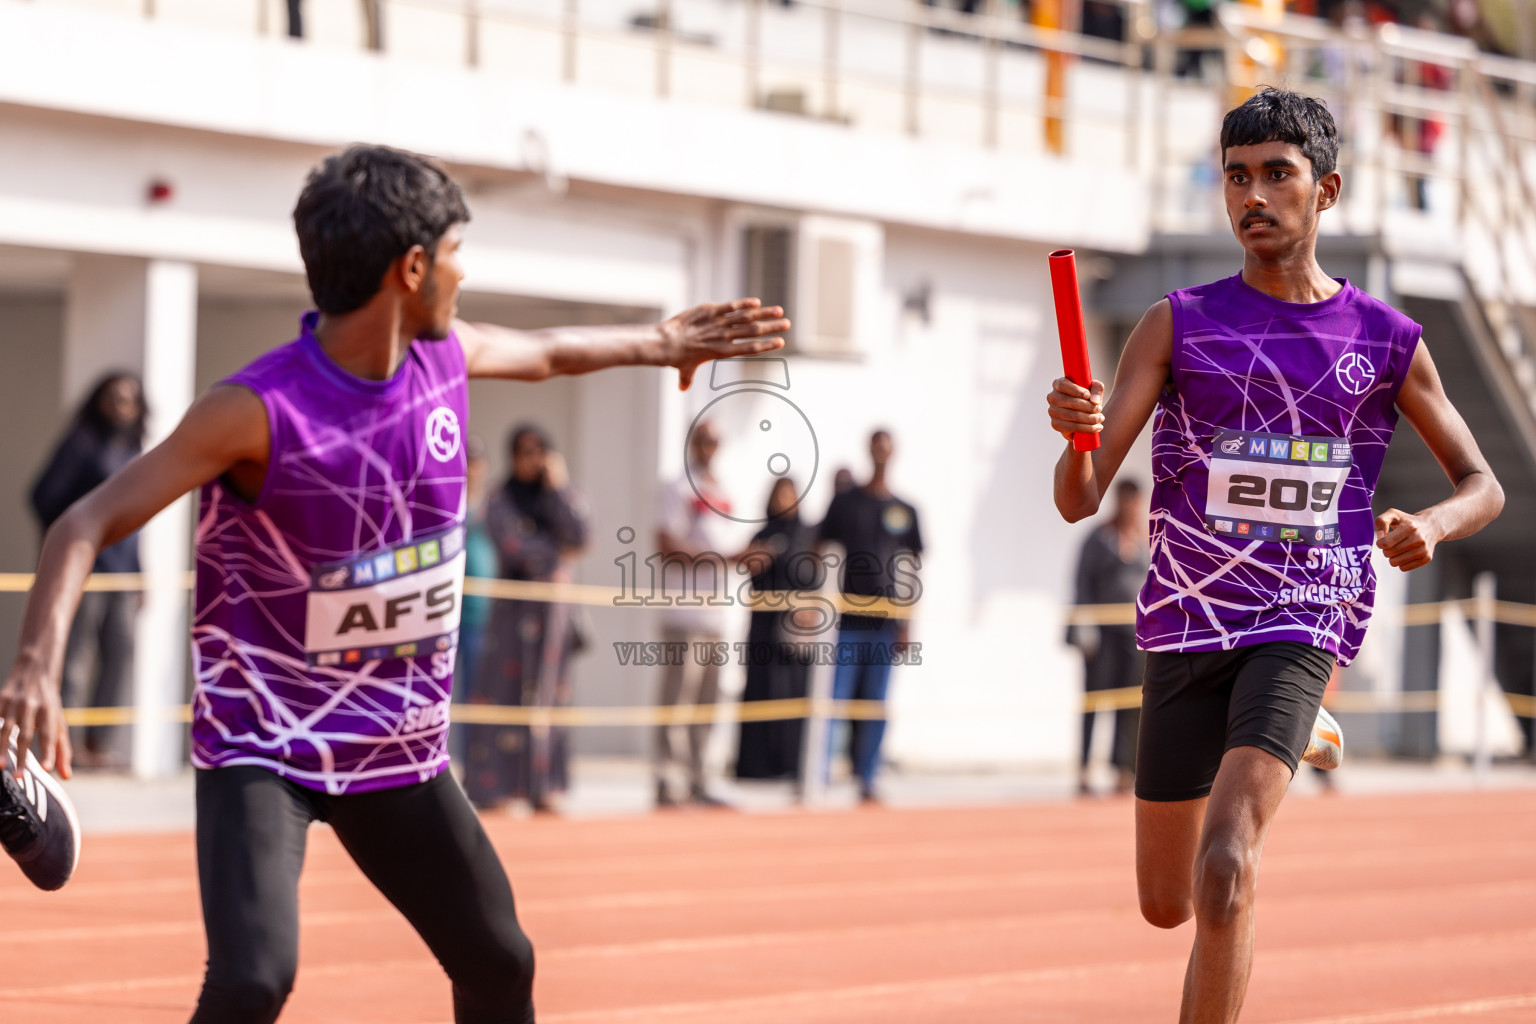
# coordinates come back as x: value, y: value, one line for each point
x: 38, y: 827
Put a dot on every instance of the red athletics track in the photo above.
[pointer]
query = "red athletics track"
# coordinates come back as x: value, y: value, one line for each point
x: 1372, y: 910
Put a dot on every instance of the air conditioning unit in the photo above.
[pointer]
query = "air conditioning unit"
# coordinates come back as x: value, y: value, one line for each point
x: 825, y: 271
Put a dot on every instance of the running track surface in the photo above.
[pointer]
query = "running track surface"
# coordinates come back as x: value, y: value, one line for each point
x: 1372, y: 910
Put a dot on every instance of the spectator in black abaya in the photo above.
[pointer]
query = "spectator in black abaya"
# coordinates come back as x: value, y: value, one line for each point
x: 537, y: 523
x: 105, y: 435
x: 781, y: 558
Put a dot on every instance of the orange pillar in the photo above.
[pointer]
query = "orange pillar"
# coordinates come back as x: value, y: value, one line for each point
x: 1260, y: 54
x: 1051, y: 14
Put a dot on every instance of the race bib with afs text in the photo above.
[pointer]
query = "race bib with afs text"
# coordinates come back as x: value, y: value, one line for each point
x: 401, y: 602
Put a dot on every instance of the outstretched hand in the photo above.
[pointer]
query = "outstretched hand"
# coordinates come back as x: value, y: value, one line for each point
x: 719, y: 331
x: 1408, y: 541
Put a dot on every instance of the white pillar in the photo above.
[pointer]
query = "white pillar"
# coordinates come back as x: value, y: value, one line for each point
x: 141, y: 316
x: 161, y: 654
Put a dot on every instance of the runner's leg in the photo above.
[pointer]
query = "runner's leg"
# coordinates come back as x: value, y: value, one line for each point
x: 1248, y: 791
x: 1167, y: 837
x: 1275, y: 696
x: 251, y: 827
x: 1183, y: 731
x: 425, y: 850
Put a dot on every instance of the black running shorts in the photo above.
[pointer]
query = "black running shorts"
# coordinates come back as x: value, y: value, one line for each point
x: 1196, y: 707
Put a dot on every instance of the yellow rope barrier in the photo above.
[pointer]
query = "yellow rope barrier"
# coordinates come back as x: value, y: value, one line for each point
x: 1343, y: 701
x: 1346, y: 701
x: 1420, y: 614
x: 532, y: 590
x: 490, y: 714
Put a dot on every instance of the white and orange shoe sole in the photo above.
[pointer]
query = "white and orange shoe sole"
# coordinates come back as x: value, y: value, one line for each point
x: 1326, y: 747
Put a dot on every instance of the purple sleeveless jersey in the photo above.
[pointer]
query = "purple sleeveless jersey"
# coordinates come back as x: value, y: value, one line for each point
x: 327, y: 612
x: 1266, y: 447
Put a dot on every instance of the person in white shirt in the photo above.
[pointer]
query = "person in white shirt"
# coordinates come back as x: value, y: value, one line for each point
x: 691, y: 535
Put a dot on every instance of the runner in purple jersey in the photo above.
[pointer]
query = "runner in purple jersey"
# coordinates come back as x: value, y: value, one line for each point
x: 1273, y: 395
x: 329, y: 573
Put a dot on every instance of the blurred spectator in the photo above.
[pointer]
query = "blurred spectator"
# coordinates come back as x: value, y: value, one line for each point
x: 1468, y: 18
x: 1383, y: 12
x: 1333, y: 58
x: 373, y: 22
x: 689, y: 535
x: 781, y: 557
x: 1195, y: 14
x: 1510, y: 26
x: 842, y: 480
x: 106, y: 434
x: 480, y: 561
x: 1111, y: 570
x: 537, y: 522
x: 881, y: 540
x: 1104, y: 19
x: 1422, y: 134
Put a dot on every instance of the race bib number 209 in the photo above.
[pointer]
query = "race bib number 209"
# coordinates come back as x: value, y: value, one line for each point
x: 1279, y: 487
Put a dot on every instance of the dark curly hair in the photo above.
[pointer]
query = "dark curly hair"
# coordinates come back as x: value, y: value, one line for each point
x: 362, y: 209
x: 1279, y: 115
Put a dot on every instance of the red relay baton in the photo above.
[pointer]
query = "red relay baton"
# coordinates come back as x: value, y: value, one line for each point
x: 1069, y: 324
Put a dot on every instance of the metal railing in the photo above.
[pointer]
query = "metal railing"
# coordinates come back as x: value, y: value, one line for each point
x: 993, y: 81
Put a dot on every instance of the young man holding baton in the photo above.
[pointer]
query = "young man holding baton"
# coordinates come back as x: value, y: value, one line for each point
x: 1273, y: 395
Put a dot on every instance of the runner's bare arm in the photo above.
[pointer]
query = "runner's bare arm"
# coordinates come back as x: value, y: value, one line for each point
x: 224, y: 430
x: 687, y: 340
x: 1409, y: 541
x: 1082, y: 478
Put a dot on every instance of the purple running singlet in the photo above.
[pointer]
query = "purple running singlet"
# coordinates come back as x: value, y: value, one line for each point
x: 327, y: 611
x: 1266, y: 447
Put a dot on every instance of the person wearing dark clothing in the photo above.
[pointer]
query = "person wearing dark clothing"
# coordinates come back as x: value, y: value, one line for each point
x: 1103, y: 19
x: 107, y: 433
x: 880, y: 539
x: 1110, y: 570
x: 782, y: 557
x: 536, y: 521
x: 480, y: 562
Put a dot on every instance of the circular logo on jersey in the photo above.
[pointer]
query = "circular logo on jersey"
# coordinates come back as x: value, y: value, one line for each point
x: 896, y: 519
x: 1355, y: 373
x: 443, y: 435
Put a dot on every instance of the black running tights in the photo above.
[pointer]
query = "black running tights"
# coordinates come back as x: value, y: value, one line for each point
x: 421, y: 845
